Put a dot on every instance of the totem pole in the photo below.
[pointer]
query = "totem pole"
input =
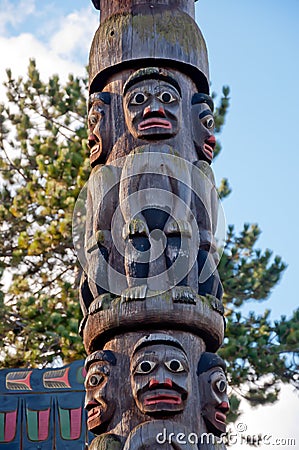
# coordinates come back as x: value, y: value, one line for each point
x: 150, y: 291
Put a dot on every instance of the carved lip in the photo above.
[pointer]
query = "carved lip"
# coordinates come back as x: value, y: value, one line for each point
x: 209, y: 147
x: 154, y: 122
x: 220, y: 417
x: 208, y: 151
x: 93, y: 413
x: 94, y: 149
x: 170, y: 399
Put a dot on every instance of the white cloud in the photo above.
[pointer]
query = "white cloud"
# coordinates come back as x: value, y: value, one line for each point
x: 74, y: 35
x: 16, y: 52
x: 14, y: 13
x: 64, y: 51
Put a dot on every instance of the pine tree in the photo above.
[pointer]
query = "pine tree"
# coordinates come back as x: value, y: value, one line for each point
x: 44, y: 165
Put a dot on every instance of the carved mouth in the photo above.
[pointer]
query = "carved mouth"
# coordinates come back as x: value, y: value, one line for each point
x: 220, y: 417
x: 208, y: 151
x: 154, y: 122
x: 209, y: 147
x: 94, y: 149
x: 94, y: 413
x: 170, y: 399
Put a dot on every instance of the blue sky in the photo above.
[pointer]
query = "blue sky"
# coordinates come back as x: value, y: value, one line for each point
x: 253, y: 47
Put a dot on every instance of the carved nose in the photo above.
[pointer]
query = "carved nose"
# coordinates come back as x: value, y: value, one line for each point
x: 211, y: 141
x: 92, y: 140
x: 90, y: 404
x: 154, y: 109
x: 224, y: 407
x: 154, y: 382
x: 168, y: 382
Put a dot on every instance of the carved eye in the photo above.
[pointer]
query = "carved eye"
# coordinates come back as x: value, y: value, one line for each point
x: 174, y: 365
x: 166, y: 97
x: 208, y: 122
x: 145, y: 367
x: 139, y: 98
x: 95, y: 380
x: 221, y: 385
x: 93, y: 120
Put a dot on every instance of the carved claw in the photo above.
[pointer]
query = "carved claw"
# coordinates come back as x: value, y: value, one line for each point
x: 135, y: 226
x: 99, y: 238
x: 178, y: 226
x: 183, y: 294
x: 102, y: 302
x: 134, y: 293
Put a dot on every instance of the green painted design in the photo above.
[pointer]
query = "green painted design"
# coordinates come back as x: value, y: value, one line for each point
x: 65, y: 424
x: 80, y: 376
x: 32, y: 425
x: 2, y: 424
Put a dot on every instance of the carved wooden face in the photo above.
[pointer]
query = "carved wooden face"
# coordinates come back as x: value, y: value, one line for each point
x: 153, y: 109
x: 98, y: 138
x: 160, y: 379
x: 99, y: 399
x: 203, y: 130
x: 214, y: 399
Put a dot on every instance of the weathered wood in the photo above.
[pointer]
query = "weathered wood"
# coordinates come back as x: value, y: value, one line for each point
x: 165, y: 311
x: 148, y: 37
x: 110, y: 7
x: 150, y: 292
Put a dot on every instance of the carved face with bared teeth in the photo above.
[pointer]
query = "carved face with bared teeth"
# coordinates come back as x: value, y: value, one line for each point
x: 99, y: 398
x: 153, y: 109
x: 213, y: 392
x: 160, y: 379
x: 203, y: 126
x: 98, y: 124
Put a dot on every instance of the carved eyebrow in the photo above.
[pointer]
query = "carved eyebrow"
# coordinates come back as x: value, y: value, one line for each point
x: 163, y: 86
x: 198, y: 98
x: 216, y: 370
x: 98, y: 369
x: 105, y: 97
x: 138, y: 90
x: 206, y: 112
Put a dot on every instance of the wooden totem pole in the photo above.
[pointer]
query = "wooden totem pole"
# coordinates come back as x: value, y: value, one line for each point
x: 150, y: 291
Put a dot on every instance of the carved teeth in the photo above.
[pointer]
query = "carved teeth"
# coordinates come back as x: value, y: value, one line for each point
x: 163, y: 398
x: 153, y: 123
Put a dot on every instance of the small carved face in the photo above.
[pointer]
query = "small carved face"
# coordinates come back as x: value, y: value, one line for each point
x: 214, y: 399
x: 98, y: 138
x: 203, y: 130
x: 99, y: 400
x: 153, y: 109
x: 160, y: 379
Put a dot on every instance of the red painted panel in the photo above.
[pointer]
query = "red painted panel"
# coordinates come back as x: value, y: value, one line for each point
x: 10, y: 426
x: 43, y: 424
x: 76, y: 421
